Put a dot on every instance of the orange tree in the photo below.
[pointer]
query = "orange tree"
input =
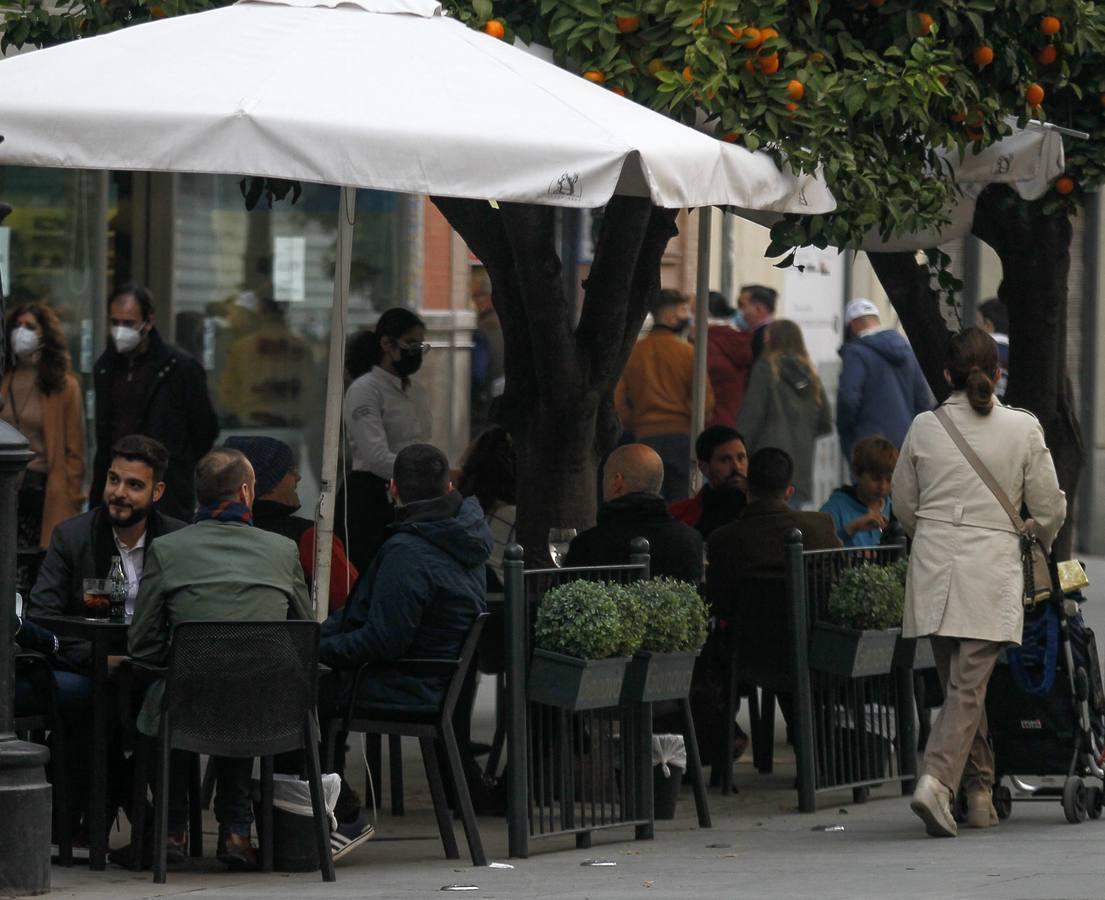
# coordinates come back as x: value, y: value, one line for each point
x: 867, y: 92
x: 864, y: 91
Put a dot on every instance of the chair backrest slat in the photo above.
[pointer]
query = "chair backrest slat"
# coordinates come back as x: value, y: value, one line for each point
x: 241, y: 688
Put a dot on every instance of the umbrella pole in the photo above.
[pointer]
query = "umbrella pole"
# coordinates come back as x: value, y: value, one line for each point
x: 335, y: 389
x: 701, y: 324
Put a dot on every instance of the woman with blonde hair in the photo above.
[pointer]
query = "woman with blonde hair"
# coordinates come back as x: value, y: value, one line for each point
x: 965, y: 586
x: 786, y: 406
x: 41, y: 397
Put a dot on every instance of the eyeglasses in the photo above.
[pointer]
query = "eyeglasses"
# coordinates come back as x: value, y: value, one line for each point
x: 410, y: 346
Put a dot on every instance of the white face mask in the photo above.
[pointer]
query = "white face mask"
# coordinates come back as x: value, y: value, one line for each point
x: 25, y: 341
x: 126, y: 338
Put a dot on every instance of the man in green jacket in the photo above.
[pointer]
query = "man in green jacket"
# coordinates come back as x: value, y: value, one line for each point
x: 218, y: 568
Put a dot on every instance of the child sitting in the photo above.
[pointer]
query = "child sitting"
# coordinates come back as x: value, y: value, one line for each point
x: 861, y: 512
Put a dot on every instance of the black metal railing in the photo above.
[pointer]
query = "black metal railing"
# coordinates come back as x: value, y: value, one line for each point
x: 850, y: 731
x: 570, y: 773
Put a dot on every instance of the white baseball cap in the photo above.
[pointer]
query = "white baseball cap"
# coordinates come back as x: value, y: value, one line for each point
x: 861, y: 306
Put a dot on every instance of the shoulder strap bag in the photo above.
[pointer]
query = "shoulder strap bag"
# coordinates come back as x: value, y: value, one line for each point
x: 1037, y: 575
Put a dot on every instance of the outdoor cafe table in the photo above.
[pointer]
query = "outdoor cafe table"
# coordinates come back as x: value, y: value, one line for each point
x: 106, y: 637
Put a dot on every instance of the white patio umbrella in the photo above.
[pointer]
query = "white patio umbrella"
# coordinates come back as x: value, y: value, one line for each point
x: 382, y: 94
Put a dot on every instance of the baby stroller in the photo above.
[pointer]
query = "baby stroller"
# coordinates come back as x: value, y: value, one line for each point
x: 1046, y: 709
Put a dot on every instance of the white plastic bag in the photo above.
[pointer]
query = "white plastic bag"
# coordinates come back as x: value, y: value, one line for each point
x: 292, y: 795
x: 669, y: 750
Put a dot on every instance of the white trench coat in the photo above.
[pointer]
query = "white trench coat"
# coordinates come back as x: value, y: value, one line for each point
x: 965, y: 578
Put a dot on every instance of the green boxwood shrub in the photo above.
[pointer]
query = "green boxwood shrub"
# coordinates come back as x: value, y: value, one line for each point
x: 580, y: 618
x: 675, y: 616
x: 869, y: 597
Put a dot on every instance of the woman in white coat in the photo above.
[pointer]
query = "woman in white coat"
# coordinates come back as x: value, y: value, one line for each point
x: 965, y: 585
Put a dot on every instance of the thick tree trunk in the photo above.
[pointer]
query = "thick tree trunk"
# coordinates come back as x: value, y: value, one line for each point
x: 1034, y: 248
x: 560, y: 375
x: 908, y: 286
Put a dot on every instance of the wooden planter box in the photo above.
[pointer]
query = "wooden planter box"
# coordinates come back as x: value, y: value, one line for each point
x: 850, y: 653
x: 913, y: 653
x: 575, y: 684
x: 651, y: 677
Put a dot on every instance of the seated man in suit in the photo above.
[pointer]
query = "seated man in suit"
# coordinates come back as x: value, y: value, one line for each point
x: 750, y: 546
x: 418, y: 598
x: 221, y: 567
x: 634, y: 507
x: 126, y: 525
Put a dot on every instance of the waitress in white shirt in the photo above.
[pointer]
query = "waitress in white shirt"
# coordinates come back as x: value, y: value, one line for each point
x: 384, y: 411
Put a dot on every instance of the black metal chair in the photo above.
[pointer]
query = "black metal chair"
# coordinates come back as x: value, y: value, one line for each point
x: 272, y: 671
x: 429, y: 728
x: 759, y: 658
x: 36, y: 668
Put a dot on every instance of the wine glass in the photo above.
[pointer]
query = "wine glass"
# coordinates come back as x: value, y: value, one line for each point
x: 559, y: 539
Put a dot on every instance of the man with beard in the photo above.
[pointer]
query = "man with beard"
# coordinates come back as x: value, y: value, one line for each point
x: 723, y: 461
x: 124, y: 526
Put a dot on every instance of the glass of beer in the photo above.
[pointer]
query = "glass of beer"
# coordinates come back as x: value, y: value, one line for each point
x: 97, y: 598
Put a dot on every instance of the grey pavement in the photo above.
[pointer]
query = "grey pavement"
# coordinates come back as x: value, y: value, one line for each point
x: 759, y: 846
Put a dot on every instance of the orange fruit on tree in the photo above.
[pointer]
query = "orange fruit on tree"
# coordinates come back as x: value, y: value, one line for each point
x: 766, y: 34
x: 627, y: 24
x: 732, y: 34
x: 1050, y: 25
x: 958, y: 116
x: 620, y: 91
x: 1101, y: 99
x: 1064, y: 184
x: 752, y: 38
x: 769, y: 64
x: 495, y: 28
x: 656, y: 65
x: 1034, y: 95
x: 974, y: 134
x: 730, y: 136
x: 158, y: 12
x: 924, y: 21
x: 749, y: 65
x: 696, y: 22
x: 1045, y: 56
x: 688, y: 73
x: 983, y: 56
x: 796, y: 89
x: 594, y: 75
x: 792, y: 106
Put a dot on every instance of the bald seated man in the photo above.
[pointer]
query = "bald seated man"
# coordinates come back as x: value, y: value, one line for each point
x: 634, y: 507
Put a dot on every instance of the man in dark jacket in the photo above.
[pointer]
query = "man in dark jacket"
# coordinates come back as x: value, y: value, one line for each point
x: 145, y: 386
x: 124, y: 525
x: 882, y: 388
x: 723, y: 461
x: 633, y: 507
x: 418, y: 598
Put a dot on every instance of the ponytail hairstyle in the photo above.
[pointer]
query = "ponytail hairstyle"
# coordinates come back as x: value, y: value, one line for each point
x: 364, y: 353
x: 972, y: 362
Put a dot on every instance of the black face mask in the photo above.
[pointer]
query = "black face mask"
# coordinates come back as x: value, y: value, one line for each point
x: 681, y: 326
x: 409, y: 362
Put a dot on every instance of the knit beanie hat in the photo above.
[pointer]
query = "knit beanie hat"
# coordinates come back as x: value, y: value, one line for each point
x: 271, y: 459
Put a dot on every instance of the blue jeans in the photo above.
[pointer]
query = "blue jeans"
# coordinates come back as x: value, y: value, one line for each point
x: 233, y: 797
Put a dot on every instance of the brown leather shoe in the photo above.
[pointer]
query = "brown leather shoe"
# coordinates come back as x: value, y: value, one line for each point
x: 237, y: 853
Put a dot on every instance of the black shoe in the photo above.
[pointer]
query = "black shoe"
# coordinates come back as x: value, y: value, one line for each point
x: 122, y: 856
x: 236, y: 852
x: 348, y: 807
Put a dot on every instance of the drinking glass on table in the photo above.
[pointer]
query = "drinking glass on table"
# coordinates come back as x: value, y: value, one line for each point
x: 559, y: 539
x: 97, y: 598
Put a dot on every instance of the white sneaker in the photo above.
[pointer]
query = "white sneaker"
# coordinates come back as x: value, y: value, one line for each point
x: 932, y: 802
x: 348, y: 837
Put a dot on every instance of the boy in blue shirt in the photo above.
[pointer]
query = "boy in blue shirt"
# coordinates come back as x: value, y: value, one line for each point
x: 861, y: 512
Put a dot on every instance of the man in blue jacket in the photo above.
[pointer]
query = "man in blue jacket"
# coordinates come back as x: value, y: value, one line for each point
x: 419, y: 597
x: 881, y: 386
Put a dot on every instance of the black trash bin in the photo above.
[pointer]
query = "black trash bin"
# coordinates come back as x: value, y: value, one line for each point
x: 669, y: 761
x: 295, y: 847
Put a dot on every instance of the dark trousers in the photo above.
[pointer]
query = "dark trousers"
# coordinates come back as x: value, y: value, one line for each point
x: 233, y: 795
x: 362, y: 516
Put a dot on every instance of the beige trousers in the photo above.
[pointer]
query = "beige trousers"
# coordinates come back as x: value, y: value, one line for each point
x: 957, y: 749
